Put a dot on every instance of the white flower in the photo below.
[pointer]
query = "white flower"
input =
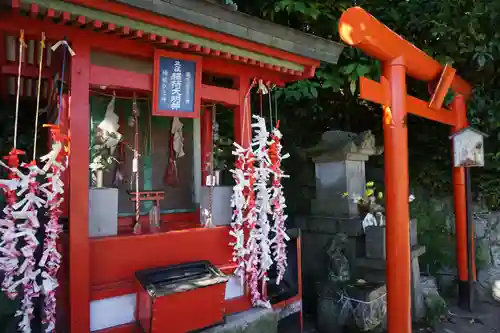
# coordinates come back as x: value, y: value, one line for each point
x: 411, y: 198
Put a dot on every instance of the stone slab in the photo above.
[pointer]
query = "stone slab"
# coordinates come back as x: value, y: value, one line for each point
x: 352, y: 227
x: 417, y: 297
x: 375, y: 242
x: 380, y: 263
x: 255, y: 320
x: 366, y: 293
x: 333, y: 179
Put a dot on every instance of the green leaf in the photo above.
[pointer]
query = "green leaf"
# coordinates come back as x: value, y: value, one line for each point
x: 314, y: 92
x: 481, y: 60
x: 349, y: 68
x: 300, y: 7
x: 353, y: 87
x: 362, y: 70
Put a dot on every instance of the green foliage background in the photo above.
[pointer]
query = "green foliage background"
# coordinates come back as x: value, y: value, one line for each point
x: 460, y: 32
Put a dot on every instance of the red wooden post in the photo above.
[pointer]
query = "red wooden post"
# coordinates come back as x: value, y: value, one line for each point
x: 64, y: 125
x: 206, y: 142
x: 396, y: 200
x: 242, y: 120
x: 79, y: 262
x: 459, y: 193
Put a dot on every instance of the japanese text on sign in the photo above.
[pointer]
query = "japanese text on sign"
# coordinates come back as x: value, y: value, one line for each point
x: 176, y: 86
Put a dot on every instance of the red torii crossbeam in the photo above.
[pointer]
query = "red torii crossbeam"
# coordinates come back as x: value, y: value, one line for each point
x: 400, y: 58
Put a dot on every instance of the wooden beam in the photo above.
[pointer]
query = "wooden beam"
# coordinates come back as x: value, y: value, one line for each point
x: 30, y: 71
x: 374, y: 92
x: 120, y: 79
x: 225, y: 96
x: 442, y: 87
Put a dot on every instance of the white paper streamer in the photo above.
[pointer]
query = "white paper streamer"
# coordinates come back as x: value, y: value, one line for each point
x: 55, y: 161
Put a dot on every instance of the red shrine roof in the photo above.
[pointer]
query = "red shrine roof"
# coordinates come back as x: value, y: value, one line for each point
x: 194, y: 26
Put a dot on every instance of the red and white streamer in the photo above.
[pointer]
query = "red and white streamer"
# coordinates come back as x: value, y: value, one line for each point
x: 239, y: 205
x: 27, y: 210
x: 278, y: 204
x: 257, y: 194
x: 55, y: 164
x: 9, y: 260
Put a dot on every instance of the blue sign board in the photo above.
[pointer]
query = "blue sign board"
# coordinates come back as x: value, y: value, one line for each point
x: 177, y: 82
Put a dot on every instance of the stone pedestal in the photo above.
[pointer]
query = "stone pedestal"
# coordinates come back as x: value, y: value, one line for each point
x: 375, y: 240
x: 373, y: 270
x: 333, y: 179
x: 340, y: 168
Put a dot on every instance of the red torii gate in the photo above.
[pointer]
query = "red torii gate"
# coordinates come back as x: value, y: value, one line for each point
x: 399, y: 58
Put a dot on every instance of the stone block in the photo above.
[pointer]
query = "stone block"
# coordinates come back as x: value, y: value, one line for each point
x: 333, y: 179
x: 495, y: 255
x: 484, y: 251
x: 480, y: 228
x: 327, y: 225
x: 370, y: 305
x: 375, y: 242
x: 354, y: 248
x: 372, y: 275
x: 352, y: 227
x: 366, y: 292
x: 379, y: 264
x: 417, y: 297
x: 255, y: 320
x: 413, y: 233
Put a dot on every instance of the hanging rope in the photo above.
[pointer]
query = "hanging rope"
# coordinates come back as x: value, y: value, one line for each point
x: 270, y: 107
x: 239, y: 201
x: 22, y: 45
x: 40, y: 66
x: 275, y: 106
x: 135, y: 166
x: 66, y: 49
x: 212, y: 173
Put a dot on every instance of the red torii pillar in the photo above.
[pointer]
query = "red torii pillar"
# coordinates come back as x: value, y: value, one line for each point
x: 400, y: 58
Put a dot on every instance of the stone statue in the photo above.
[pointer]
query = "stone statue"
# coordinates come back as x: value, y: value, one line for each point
x: 338, y: 266
x: 366, y: 140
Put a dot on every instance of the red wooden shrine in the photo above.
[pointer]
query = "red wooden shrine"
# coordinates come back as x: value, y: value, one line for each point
x: 102, y: 269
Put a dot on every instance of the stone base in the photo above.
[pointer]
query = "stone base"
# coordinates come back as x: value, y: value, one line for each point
x: 375, y: 240
x: 251, y: 321
x: 352, y: 227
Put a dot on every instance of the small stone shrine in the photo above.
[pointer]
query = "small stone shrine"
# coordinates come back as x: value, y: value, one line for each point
x: 359, y: 251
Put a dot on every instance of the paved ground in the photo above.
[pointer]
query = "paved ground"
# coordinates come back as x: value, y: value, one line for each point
x: 485, y: 320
